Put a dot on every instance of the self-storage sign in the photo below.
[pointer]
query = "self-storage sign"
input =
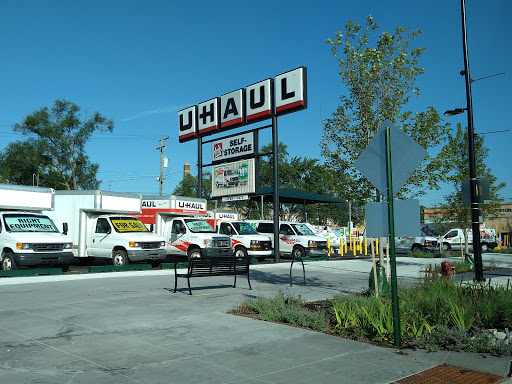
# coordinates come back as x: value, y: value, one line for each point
x: 245, y: 106
x: 233, y: 147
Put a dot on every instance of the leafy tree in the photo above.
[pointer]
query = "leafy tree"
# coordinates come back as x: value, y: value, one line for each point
x: 380, y: 80
x: 58, y: 137
x: 455, y: 157
x: 188, y: 187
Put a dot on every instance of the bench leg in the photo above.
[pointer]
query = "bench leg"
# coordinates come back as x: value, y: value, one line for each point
x: 234, y: 284
x: 189, y: 290
x: 249, y: 281
x: 175, y: 278
x: 303, y: 269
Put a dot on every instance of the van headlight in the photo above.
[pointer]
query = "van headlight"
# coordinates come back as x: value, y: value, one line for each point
x: 255, y: 244
x: 68, y: 245
x: 134, y: 244
x: 21, y: 246
x: 208, y: 243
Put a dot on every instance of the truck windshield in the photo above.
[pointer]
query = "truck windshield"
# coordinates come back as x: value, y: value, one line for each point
x: 16, y: 222
x: 199, y: 226
x: 302, y: 229
x: 128, y: 224
x: 244, y: 228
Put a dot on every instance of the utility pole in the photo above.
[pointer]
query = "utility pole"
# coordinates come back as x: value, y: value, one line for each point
x: 161, y: 149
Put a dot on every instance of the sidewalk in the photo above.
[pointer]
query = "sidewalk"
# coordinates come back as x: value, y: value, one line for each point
x: 128, y: 327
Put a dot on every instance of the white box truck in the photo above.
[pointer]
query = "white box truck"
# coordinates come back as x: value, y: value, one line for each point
x: 296, y: 239
x: 29, y: 238
x: 454, y: 237
x: 101, y: 226
x: 182, y: 223
x: 245, y: 240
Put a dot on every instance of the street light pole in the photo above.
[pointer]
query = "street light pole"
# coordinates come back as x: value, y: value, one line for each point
x: 475, y: 220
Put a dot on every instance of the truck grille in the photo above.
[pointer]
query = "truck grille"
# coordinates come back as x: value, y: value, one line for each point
x: 47, y: 247
x: 152, y: 245
x: 222, y: 242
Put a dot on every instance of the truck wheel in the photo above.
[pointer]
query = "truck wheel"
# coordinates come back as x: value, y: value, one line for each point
x: 119, y: 257
x: 240, y: 252
x: 193, y: 253
x: 484, y: 247
x: 8, y: 262
x: 298, y: 252
x: 65, y: 267
x: 446, y: 247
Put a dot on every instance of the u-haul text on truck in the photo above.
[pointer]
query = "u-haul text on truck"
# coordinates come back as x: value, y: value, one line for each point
x: 28, y: 237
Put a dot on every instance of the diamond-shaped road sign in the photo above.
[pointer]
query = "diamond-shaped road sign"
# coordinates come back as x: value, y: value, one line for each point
x: 406, y: 155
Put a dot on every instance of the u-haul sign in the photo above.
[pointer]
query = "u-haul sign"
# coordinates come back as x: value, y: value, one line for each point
x: 245, y: 106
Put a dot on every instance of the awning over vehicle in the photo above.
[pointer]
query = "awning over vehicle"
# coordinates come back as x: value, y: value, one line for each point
x: 294, y: 196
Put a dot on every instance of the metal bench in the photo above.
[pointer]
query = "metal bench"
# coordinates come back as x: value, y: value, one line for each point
x: 214, y: 266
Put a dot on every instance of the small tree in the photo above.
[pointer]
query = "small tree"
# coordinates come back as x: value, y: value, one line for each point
x: 58, y: 137
x: 380, y: 80
x: 455, y: 157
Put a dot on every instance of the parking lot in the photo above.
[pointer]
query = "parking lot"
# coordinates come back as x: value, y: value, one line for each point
x: 129, y: 327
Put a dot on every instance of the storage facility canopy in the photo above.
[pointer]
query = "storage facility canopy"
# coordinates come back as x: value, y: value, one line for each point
x: 294, y: 196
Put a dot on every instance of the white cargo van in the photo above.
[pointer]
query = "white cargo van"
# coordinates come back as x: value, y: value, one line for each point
x: 101, y: 226
x: 454, y: 237
x: 245, y: 240
x: 29, y: 238
x: 296, y: 239
x: 185, y: 230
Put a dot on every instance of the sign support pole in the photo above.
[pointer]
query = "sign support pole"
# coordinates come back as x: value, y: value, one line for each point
x: 200, y: 167
x: 275, y: 147
x: 391, y: 218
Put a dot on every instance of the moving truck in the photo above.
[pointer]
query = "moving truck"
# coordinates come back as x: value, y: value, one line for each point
x: 245, y: 240
x: 218, y: 215
x: 181, y: 221
x: 454, y: 237
x: 102, y: 226
x: 296, y: 239
x: 27, y: 237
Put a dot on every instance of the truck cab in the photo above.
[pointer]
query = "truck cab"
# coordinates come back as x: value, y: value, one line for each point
x: 29, y: 238
x: 296, y: 239
x: 191, y: 237
x: 245, y: 240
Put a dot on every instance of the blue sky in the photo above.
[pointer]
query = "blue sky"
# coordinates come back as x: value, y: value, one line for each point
x: 140, y: 62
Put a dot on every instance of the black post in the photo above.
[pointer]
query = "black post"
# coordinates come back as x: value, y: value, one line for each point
x: 200, y: 167
x: 475, y: 220
x: 275, y: 149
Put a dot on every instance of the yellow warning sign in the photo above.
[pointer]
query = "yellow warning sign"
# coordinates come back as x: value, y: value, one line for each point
x: 129, y: 225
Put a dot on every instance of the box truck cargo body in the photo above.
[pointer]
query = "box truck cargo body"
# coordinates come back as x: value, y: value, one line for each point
x: 186, y: 231
x: 28, y: 237
x: 102, y: 225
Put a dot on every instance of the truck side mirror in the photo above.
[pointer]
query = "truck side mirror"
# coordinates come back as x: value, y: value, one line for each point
x: 65, y: 228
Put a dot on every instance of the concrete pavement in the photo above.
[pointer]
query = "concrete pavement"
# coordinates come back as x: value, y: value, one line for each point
x: 128, y: 327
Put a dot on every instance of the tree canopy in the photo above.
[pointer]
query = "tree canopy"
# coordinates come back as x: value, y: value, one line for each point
x: 55, y: 148
x: 379, y: 74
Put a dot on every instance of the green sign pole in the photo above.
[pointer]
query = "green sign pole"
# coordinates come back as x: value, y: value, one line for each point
x: 394, y: 291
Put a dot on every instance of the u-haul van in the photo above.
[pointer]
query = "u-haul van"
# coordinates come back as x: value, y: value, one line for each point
x: 102, y: 225
x: 294, y: 238
x: 245, y: 240
x: 216, y: 216
x: 28, y: 237
x: 186, y: 231
x: 454, y: 237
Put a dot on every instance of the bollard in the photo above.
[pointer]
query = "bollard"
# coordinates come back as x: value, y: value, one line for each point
x: 365, y: 247
x: 345, y: 242
x: 376, y: 245
x: 328, y: 247
x: 342, y: 242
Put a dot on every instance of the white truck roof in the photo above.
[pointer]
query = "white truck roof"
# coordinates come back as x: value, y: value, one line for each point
x: 21, y: 197
x: 100, y: 201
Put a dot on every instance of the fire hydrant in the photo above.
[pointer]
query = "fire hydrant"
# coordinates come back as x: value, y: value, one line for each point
x: 447, y: 269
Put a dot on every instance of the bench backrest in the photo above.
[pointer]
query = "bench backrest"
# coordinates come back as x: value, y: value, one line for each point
x: 205, y: 266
